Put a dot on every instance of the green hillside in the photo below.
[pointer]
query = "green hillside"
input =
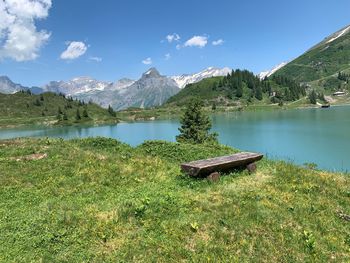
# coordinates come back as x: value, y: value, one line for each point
x: 99, y: 200
x: 49, y: 108
x: 320, y: 65
x: 240, y: 88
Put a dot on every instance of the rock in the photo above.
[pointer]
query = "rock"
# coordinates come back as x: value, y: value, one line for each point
x: 251, y: 167
x: 214, y: 177
x: 343, y: 216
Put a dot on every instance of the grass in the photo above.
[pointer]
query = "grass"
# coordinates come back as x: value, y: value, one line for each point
x: 319, y: 62
x: 99, y: 200
x: 25, y: 109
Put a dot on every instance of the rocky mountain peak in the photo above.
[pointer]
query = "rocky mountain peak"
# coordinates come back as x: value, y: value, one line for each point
x: 151, y: 73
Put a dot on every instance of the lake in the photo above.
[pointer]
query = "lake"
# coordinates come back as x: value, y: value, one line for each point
x: 320, y: 136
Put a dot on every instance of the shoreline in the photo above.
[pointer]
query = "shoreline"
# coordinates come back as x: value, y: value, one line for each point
x: 163, y: 114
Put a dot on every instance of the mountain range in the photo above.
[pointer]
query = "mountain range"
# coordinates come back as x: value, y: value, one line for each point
x: 324, y: 66
x: 152, y: 89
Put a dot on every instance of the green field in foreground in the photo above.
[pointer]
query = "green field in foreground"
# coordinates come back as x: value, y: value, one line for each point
x: 99, y: 200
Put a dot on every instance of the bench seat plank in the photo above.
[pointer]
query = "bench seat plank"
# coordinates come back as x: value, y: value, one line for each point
x: 223, y: 163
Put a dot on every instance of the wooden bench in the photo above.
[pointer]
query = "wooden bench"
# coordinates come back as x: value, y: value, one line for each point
x: 206, y: 167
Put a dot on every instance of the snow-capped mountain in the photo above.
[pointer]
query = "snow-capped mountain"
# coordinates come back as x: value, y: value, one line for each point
x: 76, y: 86
x: 268, y: 73
x: 186, y: 79
x: 152, y: 89
x: 8, y: 87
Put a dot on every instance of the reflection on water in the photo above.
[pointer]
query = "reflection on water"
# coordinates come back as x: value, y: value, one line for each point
x: 320, y: 136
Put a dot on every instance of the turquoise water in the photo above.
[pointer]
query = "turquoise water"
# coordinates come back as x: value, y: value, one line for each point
x: 320, y: 136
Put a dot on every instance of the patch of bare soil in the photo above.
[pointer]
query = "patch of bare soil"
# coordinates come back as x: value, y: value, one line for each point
x: 31, y: 157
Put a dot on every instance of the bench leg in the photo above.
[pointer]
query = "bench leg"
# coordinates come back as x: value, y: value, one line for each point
x: 213, y: 177
x: 251, y: 167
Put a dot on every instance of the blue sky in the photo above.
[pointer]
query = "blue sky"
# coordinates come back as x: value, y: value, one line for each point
x: 111, y: 39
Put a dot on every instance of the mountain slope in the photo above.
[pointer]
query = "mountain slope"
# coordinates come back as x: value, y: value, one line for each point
x: 76, y: 86
x: 152, y: 89
x: 9, y: 87
x: 186, y: 79
x: 25, y: 108
x: 241, y: 87
x: 268, y: 73
x: 323, y: 60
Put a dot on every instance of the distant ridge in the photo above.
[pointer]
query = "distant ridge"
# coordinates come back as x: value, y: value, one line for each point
x: 151, y: 90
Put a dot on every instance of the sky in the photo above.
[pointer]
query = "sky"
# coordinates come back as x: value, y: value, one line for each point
x: 45, y: 40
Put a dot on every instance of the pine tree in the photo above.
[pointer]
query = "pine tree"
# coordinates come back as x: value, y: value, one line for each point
x: 258, y: 93
x: 65, y: 117
x: 77, y: 115
x: 111, y: 111
x: 195, y: 125
x: 313, y: 97
x: 59, y: 111
x: 41, y: 97
x: 85, y: 114
x: 239, y: 92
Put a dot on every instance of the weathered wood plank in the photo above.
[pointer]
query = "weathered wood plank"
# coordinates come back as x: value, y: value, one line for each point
x: 223, y: 163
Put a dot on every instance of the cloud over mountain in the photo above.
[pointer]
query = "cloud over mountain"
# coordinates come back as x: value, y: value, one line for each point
x: 197, y: 41
x: 74, y: 50
x: 147, y: 61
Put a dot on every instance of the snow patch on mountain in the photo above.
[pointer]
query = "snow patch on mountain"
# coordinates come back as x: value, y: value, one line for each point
x: 268, y: 73
x: 338, y: 34
x: 186, y: 79
x: 76, y: 86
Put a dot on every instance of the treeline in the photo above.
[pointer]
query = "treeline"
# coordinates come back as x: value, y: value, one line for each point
x: 62, y: 114
x: 243, y: 83
x: 65, y: 108
x: 288, y: 89
x: 238, y: 80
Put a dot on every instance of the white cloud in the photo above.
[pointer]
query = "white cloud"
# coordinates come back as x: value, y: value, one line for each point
x: 147, y: 61
x: 167, y: 56
x: 97, y: 59
x: 218, y: 42
x: 197, y: 41
x: 19, y: 38
x: 172, y: 37
x: 178, y: 46
x: 74, y: 50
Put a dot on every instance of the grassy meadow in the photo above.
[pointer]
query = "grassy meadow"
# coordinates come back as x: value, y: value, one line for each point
x: 99, y: 200
x: 47, y: 109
